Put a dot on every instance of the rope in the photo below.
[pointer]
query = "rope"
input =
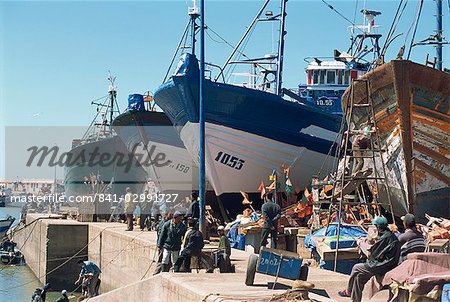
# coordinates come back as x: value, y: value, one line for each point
x: 59, y: 266
x: 344, y: 17
x: 415, y: 28
x: 395, y: 21
x: 26, y: 239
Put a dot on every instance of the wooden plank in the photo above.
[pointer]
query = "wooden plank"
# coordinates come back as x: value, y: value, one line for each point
x: 431, y: 153
x: 432, y: 171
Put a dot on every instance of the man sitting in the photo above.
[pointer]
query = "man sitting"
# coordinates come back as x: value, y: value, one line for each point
x: 383, y: 256
x: 192, y: 246
x: 411, y: 241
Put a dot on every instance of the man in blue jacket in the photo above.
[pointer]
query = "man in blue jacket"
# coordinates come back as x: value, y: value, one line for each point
x: 91, y: 272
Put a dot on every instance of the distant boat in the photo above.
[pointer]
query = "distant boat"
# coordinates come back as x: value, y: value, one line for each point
x: 85, y: 175
x: 326, y: 80
x: 5, y: 225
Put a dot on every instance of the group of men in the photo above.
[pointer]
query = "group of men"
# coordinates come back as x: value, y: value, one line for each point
x: 388, y: 250
x: 154, y: 205
x: 178, y: 243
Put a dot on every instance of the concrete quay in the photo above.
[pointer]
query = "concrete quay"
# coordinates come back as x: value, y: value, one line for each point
x: 127, y: 260
x: 48, y: 242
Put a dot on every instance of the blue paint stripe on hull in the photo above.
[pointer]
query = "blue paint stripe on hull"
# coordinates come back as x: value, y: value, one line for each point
x: 240, y: 108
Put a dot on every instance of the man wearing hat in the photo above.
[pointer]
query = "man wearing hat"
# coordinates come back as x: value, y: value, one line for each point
x: 411, y: 241
x: 170, y: 240
x: 63, y: 297
x: 192, y: 246
x: 383, y: 256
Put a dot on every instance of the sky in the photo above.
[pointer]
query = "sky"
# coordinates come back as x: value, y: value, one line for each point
x: 55, y: 55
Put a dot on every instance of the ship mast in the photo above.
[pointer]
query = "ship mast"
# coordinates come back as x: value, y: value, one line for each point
x: 439, y: 34
x: 112, y: 98
x: 281, y: 48
x: 194, y: 13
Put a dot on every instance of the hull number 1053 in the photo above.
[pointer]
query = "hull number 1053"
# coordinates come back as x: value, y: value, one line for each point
x: 230, y: 161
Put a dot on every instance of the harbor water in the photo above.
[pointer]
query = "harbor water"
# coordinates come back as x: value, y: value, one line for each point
x: 17, y: 283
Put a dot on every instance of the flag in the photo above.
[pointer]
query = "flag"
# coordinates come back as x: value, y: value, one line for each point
x: 272, y: 186
x: 286, y: 172
x: 306, y: 196
x: 288, y: 188
x: 246, y: 200
x: 262, y: 189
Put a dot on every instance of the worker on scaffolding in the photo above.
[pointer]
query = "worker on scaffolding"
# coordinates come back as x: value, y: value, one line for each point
x: 382, y: 256
x: 361, y: 142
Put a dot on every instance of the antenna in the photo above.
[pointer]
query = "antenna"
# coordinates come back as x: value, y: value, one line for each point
x: 112, y: 98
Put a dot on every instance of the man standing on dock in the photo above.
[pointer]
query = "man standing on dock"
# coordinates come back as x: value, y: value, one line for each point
x: 170, y: 240
x: 194, y: 209
x: 271, y: 212
x: 91, y: 272
x: 129, y: 208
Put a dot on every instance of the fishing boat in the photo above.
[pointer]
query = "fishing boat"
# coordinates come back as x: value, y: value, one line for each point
x: 412, y: 114
x: 5, y: 225
x: 149, y: 134
x: 85, y: 174
x: 251, y: 129
x: 411, y: 109
x: 326, y: 80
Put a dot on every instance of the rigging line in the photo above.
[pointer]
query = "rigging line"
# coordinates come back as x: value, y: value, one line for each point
x: 214, y: 40
x: 231, y: 46
x: 356, y: 10
x: 56, y: 268
x: 415, y: 29
x: 416, y: 16
x: 344, y: 17
x: 241, y: 52
x: 390, y: 32
x: 26, y: 239
x: 225, y: 41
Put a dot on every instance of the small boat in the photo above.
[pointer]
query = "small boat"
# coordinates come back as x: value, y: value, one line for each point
x: 10, y: 254
x: 5, y: 224
x: 11, y: 258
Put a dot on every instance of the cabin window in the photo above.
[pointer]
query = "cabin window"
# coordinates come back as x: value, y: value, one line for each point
x: 331, y: 74
x: 315, y: 76
x: 346, y: 77
x: 340, y: 76
x: 322, y: 77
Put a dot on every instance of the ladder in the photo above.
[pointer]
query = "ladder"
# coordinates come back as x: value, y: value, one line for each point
x: 352, y: 182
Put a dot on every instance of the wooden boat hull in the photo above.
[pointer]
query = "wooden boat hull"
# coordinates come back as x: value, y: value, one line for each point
x: 411, y: 104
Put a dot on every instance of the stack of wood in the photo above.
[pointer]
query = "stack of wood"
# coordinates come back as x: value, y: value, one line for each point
x: 437, y: 228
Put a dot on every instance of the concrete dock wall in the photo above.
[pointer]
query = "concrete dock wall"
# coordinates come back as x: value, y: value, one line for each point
x: 48, y: 243
x: 124, y: 257
x: 158, y: 288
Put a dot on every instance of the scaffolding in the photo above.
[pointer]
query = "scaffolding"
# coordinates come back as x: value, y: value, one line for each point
x: 369, y: 166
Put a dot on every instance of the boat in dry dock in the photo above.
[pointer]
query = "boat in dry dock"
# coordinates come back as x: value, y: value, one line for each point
x: 411, y: 104
x: 149, y: 134
x: 251, y: 129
